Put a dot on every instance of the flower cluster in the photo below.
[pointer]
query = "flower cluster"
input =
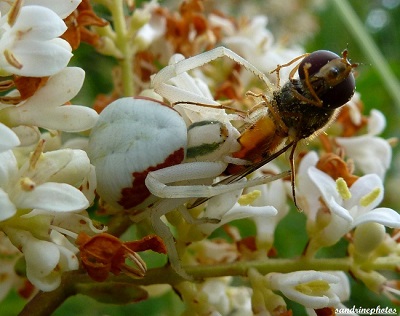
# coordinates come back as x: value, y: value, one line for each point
x: 212, y: 76
x: 44, y: 190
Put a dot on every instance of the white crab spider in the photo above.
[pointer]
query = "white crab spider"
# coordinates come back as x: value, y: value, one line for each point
x: 133, y: 137
x: 137, y: 139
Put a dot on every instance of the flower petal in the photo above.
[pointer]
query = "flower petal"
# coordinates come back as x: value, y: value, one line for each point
x: 293, y: 286
x: 75, y: 171
x: 382, y: 215
x: 362, y: 188
x: 8, y: 139
x: 307, y: 192
x: 28, y: 135
x: 329, y: 193
x: 70, y: 118
x: 371, y: 154
x: 239, y: 212
x: 42, y: 258
x: 61, y: 8
x: 7, y: 208
x: 8, y: 169
x: 325, y: 184
x: 37, y: 22
x: 53, y: 197
x: 376, y: 122
x: 44, y: 109
x: 48, y: 165
x: 59, y: 89
x: 40, y: 59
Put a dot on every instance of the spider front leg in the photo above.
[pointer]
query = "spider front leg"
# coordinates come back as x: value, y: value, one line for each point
x: 183, y: 65
x: 157, y: 181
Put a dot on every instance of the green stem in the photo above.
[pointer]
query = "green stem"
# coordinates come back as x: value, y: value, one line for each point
x: 356, y: 27
x: 46, y: 302
x: 122, y: 42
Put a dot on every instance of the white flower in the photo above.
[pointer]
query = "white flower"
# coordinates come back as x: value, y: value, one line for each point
x: 46, y: 260
x: 370, y: 153
x: 349, y: 207
x: 40, y: 204
x: 226, y: 208
x: 216, y: 297
x: 27, y: 187
x: 62, y: 8
x: 30, y: 43
x: 313, y: 289
x: 46, y: 107
x: 340, y: 288
x: 273, y: 194
x: 227, y: 299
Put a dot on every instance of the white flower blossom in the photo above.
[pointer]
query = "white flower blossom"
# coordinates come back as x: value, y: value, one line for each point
x: 349, y: 207
x: 370, y: 153
x: 341, y: 289
x: 273, y: 194
x: 313, y: 289
x: 227, y: 299
x: 40, y: 203
x: 28, y: 187
x: 46, y: 260
x: 216, y: 297
x: 30, y: 45
x: 221, y: 207
x: 46, y: 107
x: 62, y: 8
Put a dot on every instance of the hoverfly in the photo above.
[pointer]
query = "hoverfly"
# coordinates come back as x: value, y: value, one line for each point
x: 301, y: 108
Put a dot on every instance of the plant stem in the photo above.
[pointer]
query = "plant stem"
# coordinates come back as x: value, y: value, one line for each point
x: 122, y: 42
x: 46, y: 302
x: 356, y: 27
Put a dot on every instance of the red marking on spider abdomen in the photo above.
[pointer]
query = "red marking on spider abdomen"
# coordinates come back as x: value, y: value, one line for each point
x: 138, y: 192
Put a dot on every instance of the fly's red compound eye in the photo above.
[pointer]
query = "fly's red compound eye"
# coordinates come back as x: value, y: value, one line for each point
x: 337, y: 73
x: 317, y: 60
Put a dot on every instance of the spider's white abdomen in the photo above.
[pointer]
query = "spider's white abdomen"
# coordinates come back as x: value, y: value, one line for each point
x: 132, y: 137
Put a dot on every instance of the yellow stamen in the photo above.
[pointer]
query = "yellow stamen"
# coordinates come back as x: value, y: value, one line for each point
x: 314, y: 288
x: 247, y: 199
x: 14, y: 11
x: 343, y: 189
x: 370, y: 197
x: 36, y: 154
